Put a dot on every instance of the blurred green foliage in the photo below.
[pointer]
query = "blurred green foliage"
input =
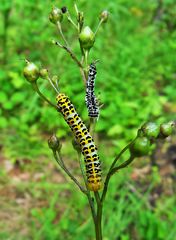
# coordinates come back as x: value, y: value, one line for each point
x: 135, y: 80
x: 136, y: 72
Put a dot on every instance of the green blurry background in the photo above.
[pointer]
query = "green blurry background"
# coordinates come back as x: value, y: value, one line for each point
x: 136, y: 82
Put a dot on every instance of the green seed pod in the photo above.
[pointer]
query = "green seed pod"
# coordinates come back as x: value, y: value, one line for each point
x: 54, y: 143
x: 87, y: 38
x: 140, y: 147
x: 56, y: 15
x: 31, y: 72
x: 166, y: 129
x: 44, y: 73
x: 104, y: 15
x: 151, y: 130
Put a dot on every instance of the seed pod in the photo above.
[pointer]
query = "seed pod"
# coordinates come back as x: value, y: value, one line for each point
x: 104, y: 15
x: 44, y: 73
x: 87, y: 38
x: 56, y: 15
x: 166, y: 129
x: 31, y: 72
x: 54, y: 143
x: 151, y: 130
x: 140, y: 147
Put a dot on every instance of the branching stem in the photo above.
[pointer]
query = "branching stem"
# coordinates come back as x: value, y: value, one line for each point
x: 61, y: 163
x: 72, y: 55
x: 36, y: 89
x: 61, y: 33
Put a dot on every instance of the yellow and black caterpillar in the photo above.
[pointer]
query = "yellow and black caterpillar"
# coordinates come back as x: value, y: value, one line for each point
x: 84, y: 139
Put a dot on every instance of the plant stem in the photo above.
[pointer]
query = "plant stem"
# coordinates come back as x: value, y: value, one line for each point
x: 123, y: 165
x: 73, y: 56
x: 99, y: 24
x: 108, y: 176
x: 61, y: 33
x: 36, y: 89
x: 71, y: 20
x: 98, y: 228
x: 59, y: 160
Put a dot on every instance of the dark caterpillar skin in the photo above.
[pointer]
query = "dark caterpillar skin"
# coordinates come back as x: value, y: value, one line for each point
x: 84, y: 139
x: 90, y: 99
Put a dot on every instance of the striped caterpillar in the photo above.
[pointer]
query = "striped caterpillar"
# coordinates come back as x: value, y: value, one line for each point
x: 84, y: 139
x: 90, y: 99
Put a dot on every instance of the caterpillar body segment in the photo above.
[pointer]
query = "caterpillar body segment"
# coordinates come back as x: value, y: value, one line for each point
x: 90, y: 99
x: 84, y: 139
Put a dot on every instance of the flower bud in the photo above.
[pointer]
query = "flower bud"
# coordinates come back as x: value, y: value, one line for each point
x: 31, y: 72
x: 53, y: 143
x: 166, y: 129
x: 55, y: 15
x: 151, y: 129
x: 104, y: 15
x: 87, y: 38
x: 140, y: 147
x: 44, y: 73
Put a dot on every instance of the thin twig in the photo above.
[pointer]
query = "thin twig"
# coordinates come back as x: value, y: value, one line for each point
x: 59, y: 160
x: 71, y: 20
x: 70, y: 52
x: 61, y: 33
x: 35, y: 87
x: 99, y: 24
x: 123, y: 165
x: 98, y: 228
x: 109, y: 174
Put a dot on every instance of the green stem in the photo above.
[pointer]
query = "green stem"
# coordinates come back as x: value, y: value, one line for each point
x: 108, y: 176
x: 92, y: 125
x: 98, y: 228
x: 61, y: 33
x: 86, y: 63
x: 59, y: 160
x: 72, y: 55
x: 35, y: 87
x: 71, y: 20
x: 123, y: 165
x: 99, y: 24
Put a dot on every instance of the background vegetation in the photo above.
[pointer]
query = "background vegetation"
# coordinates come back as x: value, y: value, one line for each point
x: 135, y: 82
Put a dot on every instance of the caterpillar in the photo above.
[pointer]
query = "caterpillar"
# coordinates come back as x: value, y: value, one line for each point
x: 84, y: 139
x: 90, y: 99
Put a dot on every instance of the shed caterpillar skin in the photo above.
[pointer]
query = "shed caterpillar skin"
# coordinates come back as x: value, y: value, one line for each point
x: 84, y: 139
x: 90, y: 99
